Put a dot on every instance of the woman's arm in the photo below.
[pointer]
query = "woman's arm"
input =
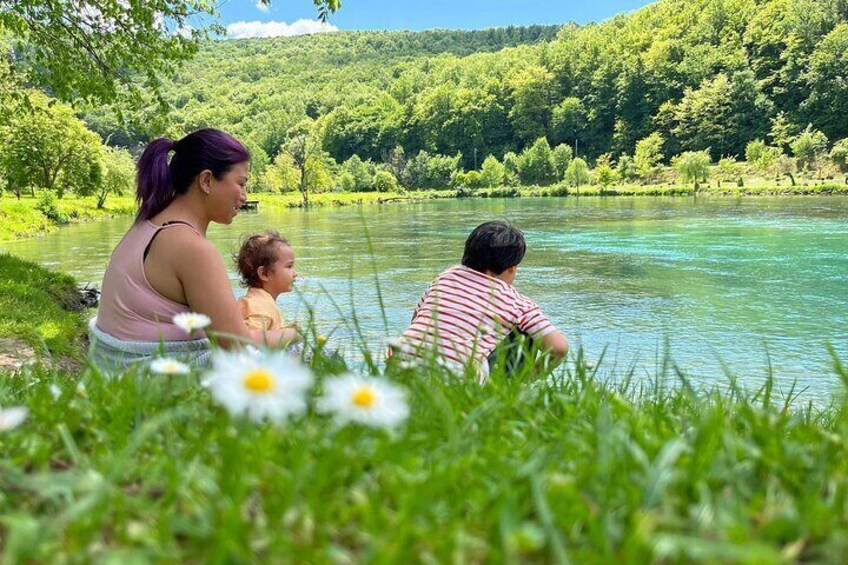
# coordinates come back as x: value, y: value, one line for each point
x: 207, y: 288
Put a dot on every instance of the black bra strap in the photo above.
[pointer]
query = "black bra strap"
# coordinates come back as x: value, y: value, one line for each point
x: 166, y: 224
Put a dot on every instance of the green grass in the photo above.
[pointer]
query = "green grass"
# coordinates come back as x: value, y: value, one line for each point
x: 21, y: 218
x: 572, y: 470
x: 35, y: 307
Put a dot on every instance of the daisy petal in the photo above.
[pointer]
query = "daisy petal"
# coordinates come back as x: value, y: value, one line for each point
x: 11, y: 418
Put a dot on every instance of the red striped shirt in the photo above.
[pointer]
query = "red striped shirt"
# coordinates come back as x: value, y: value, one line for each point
x: 464, y: 314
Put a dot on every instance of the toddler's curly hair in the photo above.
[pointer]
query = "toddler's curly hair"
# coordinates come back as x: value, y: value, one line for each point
x: 258, y: 251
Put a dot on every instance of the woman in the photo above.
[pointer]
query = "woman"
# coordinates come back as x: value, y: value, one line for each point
x: 165, y: 266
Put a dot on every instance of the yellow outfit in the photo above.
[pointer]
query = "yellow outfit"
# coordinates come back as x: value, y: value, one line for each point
x: 259, y: 310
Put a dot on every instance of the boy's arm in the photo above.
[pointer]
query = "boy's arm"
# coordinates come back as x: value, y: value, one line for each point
x: 555, y: 344
x: 534, y: 323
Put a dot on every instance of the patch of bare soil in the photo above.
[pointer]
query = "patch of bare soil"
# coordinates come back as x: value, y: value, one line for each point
x: 14, y: 353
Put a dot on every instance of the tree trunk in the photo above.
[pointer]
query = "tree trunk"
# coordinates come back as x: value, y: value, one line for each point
x: 304, y: 190
x: 791, y: 178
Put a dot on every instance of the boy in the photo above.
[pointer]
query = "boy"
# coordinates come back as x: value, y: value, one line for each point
x: 468, y: 310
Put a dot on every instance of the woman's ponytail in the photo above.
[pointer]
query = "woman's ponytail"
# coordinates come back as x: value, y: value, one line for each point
x: 155, y: 188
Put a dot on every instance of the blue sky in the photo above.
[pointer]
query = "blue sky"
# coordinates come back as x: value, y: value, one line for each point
x: 279, y: 18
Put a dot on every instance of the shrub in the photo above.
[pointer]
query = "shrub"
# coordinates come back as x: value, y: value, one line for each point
x: 48, y: 206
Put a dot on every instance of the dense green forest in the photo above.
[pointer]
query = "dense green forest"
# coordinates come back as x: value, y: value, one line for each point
x: 704, y: 74
x: 696, y: 85
x: 710, y: 75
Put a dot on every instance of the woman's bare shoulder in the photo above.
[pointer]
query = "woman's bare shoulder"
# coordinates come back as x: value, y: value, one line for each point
x: 181, y: 243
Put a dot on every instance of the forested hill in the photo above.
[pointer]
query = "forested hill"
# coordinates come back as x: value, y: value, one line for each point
x: 270, y: 83
x: 704, y: 74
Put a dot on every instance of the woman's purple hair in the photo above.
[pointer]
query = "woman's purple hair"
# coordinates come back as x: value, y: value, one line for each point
x: 160, y: 182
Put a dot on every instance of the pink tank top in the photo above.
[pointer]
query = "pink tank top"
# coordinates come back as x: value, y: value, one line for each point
x: 130, y: 309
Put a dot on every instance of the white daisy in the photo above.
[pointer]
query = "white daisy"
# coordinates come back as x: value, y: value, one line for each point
x: 364, y: 400
x: 11, y: 418
x: 168, y: 366
x: 81, y: 390
x: 268, y: 385
x: 55, y: 391
x: 191, y: 321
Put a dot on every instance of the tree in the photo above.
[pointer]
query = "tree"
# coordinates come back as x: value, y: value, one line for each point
x: 346, y: 182
x: 726, y: 170
x: 693, y: 166
x: 648, y: 156
x: 761, y: 156
x: 511, y: 163
x: 577, y: 173
x: 46, y: 146
x: 604, y: 173
x: 626, y: 168
x: 282, y: 175
x: 385, y: 181
x: 787, y: 166
x: 370, y: 129
x: 492, y: 173
x: 104, y: 49
x: 396, y: 163
x: 360, y: 172
x: 783, y: 132
x: 118, y: 174
x: 532, y: 89
x: 839, y: 154
x: 431, y: 171
x: 536, y: 164
x: 828, y: 79
x: 722, y: 113
x: 467, y: 179
x: 304, y: 148
x: 562, y: 156
x: 809, y: 147
x: 568, y: 121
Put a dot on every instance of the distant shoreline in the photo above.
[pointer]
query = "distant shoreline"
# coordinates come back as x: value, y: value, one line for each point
x: 21, y: 219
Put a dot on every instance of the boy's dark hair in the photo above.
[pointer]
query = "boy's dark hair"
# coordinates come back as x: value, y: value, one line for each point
x: 258, y: 251
x: 494, y: 246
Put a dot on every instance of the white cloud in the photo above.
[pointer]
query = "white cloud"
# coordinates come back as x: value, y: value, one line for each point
x: 261, y: 7
x: 185, y: 31
x: 244, y: 30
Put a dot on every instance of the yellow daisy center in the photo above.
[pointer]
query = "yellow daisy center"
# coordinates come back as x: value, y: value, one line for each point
x: 259, y: 380
x: 364, y: 398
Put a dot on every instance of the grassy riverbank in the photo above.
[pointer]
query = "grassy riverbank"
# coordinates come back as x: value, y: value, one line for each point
x: 585, y: 467
x: 22, y: 218
x: 39, y: 309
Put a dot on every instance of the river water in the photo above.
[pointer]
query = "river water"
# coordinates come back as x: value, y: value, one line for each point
x: 731, y: 285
